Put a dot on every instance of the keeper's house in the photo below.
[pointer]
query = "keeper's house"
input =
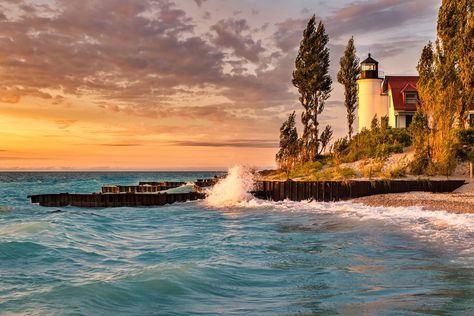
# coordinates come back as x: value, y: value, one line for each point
x: 392, y: 96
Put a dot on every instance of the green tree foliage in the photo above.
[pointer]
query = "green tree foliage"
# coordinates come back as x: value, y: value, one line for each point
x: 439, y: 91
x: 347, y: 76
x: 311, y: 77
x: 287, y: 156
x: 326, y: 136
x: 425, y: 85
x: 419, y: 132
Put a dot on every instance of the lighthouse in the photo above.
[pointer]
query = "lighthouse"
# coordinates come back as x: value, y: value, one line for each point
x: 371, y: 102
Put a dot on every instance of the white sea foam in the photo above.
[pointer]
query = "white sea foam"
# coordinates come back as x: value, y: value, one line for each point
x: 451, y: 229
x: 25, y: 228
x: 233, y: 190
x: 439, y: 228
x: 184, y: 188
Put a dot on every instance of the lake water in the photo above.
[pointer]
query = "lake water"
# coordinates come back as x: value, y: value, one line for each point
x: 242, y: 257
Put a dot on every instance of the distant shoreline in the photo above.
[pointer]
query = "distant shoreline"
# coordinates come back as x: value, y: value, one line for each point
x: 112, y: 171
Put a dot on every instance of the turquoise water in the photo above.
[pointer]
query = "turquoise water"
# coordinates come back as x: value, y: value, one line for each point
x: 252, y: 258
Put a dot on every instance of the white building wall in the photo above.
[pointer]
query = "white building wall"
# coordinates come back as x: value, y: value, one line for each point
x: 371, y: 102
x: 391, y: 111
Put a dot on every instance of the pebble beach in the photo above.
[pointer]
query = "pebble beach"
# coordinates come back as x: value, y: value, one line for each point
x: 459, y: 201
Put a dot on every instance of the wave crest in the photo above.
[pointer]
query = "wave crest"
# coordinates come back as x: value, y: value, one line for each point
x: 234, y: 189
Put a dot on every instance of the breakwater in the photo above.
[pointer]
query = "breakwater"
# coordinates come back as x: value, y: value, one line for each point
x: 142, y: 187
x: 113, y: 200
x: 148, y: 193
x: 345, y: 190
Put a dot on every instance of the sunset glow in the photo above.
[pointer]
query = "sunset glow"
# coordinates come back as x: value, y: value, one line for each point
x: 175, y: 85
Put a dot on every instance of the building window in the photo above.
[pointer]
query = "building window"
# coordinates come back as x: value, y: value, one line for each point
x: 410, y: 98
x: 471, y: 120
x: 408, y: 120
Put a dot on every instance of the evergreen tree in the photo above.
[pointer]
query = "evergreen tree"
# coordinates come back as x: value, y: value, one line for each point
x: 289, y: 147
x: 311, y: 77
x: 347, y: 76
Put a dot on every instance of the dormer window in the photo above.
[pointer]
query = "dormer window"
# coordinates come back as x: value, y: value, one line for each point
x: 411, y: 97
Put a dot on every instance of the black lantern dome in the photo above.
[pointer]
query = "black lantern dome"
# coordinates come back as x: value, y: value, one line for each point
x: 370, y: 68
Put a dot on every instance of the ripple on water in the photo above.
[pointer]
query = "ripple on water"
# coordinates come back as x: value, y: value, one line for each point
x: 250, y: 257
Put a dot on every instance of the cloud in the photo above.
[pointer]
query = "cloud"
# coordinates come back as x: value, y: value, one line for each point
x: 143, y: 58
x: 22, y: 158
x: 199, y: 2
x: 234, y: 34
x: 120, y: 50
x: 9, y: 98
x: 379, y: 15
x: 121, y: 144
x: 289, y: 33
x: 233, y: 143
x: 63, y: 124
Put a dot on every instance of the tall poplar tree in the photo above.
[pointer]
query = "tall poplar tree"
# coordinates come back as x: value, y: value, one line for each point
x: 446, y: 80
x: 456, y: 42
x: 347, y: 76
x: 439, y: 93
x: 311, y: 77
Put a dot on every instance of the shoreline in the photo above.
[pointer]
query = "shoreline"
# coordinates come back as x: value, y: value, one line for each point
x: 460, y: 201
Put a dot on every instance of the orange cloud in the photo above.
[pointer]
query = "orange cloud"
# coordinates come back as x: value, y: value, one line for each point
x: 8, y: 97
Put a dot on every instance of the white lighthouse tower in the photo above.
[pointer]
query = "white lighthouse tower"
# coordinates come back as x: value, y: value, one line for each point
x: 371, y: 102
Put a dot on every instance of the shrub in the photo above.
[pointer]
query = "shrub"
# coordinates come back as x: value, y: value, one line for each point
x: 420, y: 163
x: 376, y: 143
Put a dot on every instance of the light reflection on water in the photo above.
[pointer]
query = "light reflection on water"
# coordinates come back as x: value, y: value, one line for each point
x: 255, y: 258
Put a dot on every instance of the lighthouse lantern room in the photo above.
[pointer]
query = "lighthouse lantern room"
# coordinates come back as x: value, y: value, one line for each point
x: 370, y: 68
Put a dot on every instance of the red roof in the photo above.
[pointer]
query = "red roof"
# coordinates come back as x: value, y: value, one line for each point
x: 398, y: 85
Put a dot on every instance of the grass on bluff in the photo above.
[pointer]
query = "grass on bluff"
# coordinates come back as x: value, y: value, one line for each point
x: 333, y: 174
x: 318, y: 171
x: 376, y: 144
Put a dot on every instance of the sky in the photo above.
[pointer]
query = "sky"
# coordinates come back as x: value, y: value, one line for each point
x: 177, y: 84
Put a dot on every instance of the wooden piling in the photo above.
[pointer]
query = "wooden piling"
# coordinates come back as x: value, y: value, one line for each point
x: 113, y: 200
x: 343, y: 190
